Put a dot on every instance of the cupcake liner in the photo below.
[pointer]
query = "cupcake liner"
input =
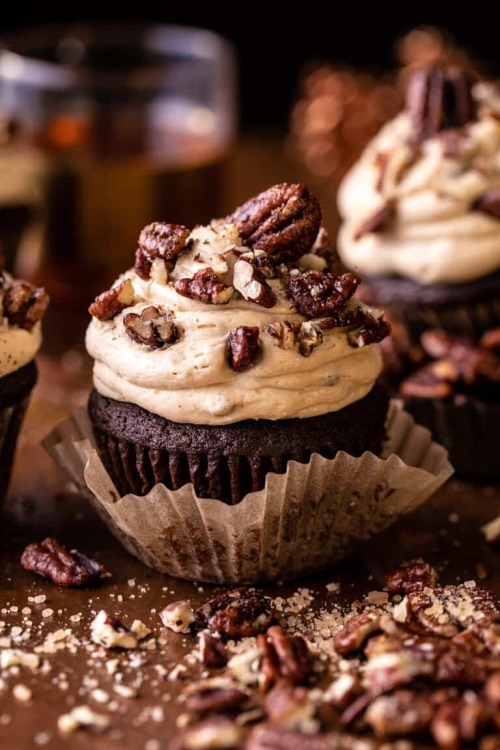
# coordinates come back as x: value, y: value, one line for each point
x: 468, y: 430
x: 471, y: 320
x: 11, y: 419
x: 303, y: 521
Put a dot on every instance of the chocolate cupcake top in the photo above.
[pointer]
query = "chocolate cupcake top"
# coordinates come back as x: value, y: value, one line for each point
x: 22, y: 307
x: 423, y: 201
x: 237, y: 320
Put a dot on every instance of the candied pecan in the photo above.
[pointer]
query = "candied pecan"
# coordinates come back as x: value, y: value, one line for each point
x: 309, y: 336
x: 111, y: 633
x: 492, y: 690
x: 464, y: 360
x: 285, y: 658
x: 343, y: 690
x: 152, y: 327
x: 412, y: 575
x: 372, y: 331
x: 270, y: 737
x: 488, y: 203
x: 439, y: 98
x: 488, y: 633
x: 291, y: 707
x: 53, y: 561
x: 459, y: 721
x: 178, y: 616
x: 356, y: 631
x: 402, y: 713
x: 243, y: 347
x: 251, y: 283
x: 205, y: 286
x: 213, y: 652
x: 159, y: 240
x: 343, y: 318
x: 426, y: 383
x: 207, y: 699
x: 490, y: 340
x: 445, y: 610
x: 284, y: 333
x: 324, y: 248
x: 215, y: 732
x: 108, y: 304
x: 24, y: 305
x: 460, y: 667
x: 320, y: 294
x: 237, y: 613
x: 377, y: 222
x: 283, y: 221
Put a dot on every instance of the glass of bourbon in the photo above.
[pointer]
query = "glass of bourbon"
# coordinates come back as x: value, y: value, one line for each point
x: 103, y: 129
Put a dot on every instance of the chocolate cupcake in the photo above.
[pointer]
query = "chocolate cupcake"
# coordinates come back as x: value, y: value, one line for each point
x: 230, y: 350
x: 23, y: 307
x: 421, y: 208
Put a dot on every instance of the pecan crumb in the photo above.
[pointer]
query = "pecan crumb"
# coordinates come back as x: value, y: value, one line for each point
x: 412, y: 575
x: 159, y: 240
x: 372, y: 331
x: 178, y: 616
x: 237, y: 613
x: 152, y: 327
x: 243, y: 347
x: 53, y: 561
x: 111, y: 633
x: 24, y: 305
x: 205, y: 286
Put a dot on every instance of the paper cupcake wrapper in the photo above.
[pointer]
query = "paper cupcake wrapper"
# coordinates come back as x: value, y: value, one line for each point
x: 302, y: 522
x: 470, y: 320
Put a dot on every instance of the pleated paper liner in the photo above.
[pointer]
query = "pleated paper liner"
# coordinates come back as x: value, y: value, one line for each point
x: 302, y: 522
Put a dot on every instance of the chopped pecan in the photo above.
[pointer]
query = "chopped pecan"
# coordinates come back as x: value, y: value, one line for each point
x: 111, y: 633
x: 412, y: 575
x: 213, y: 652
x: 284, y: 333
x: 459, y: 721
x: 372, y: 331
x: 285, y: 658
x: 205, y: 286
x: 291, y: 707
x: 108, y: 304
x: 152, y: 327
x: 309, y: 337
x: 283, y: 221
x: 343, y: 690
x: 243, y: 347
x: 488, y: 203
x: 251, y: 283
x: 377, y: 222
x: 237, y: 613
x: 24, y: 305
x: 53, y: 561
x: 178, y: 616
x: 159, y: 240
x: 208, y: 699
x: 356, y: 631
x: 427, y: 382
x: 402, y: 713
x: 439, y: 98
x: 346, y: 317
x: 320, y: 294
x: 214, y: 733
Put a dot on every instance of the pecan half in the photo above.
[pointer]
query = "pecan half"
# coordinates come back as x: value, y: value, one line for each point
x: 459, y: 721
x: 426, y: 383
x: 108, y: 304
x: 205, y: 286
x: 213, y: 652
x: 461, y: 668
x: 488, y: 203
x: 270, y: 737
x: 283, y: 221
x: 24, y: 305
x: 111, y: 633
x: 208, y: 699
x: 372, y: 331
x: 237, y: 613
x: 377, y: 222
x: 152, y: 327
x: 439, y: 98
x: 243, y: 347
x: 412, y: 575
x: 393, y: 669
x: 356, y: 631
x: 320, y: 294
x: 53, y: 561
x: 159, y: 240
x: 285, y: 658
x: 402, y: 713
x: 291, y: 707
x: 214, y: 733
x: 251, y: 283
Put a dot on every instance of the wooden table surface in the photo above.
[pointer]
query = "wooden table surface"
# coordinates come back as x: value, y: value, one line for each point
x: 445, y: 532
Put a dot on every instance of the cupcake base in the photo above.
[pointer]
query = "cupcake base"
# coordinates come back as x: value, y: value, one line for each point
x: 15, y: 390
x: 460, y: 309
x: 140, y: 449
x: 468, y: 430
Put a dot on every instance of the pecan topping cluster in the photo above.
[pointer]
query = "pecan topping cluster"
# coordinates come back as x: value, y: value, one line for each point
x: 53, y: 561
x: 24, y: 305
x: 439, y: 98
x: 205, y: 286
x: 453, y: 367
x: 108, y: 304
x: 238, y: 613
x: 159, y: 241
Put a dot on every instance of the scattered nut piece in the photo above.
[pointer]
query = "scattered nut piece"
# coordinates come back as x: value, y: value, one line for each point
x: 251, y: 283
x: 412, y: 575
x: 159, y: 241
x: 178, y: 616
x: 82, y: 717
x: 213, y: 652
x: 108, y: 304
x: 238, y: 613
x: 205, y: 286
x: 53, y: 561
x: 111, y: 633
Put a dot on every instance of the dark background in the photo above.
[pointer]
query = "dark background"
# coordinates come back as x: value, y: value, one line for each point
x: 276, y: 41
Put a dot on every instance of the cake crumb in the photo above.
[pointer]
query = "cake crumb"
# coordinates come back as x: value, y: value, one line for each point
x: 22, y: 693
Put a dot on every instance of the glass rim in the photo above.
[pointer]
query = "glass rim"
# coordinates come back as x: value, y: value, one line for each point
x: 19, y: 61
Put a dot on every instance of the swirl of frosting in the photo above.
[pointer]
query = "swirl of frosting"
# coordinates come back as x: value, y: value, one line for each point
x: 435, y: 235
x: 191, y: 380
